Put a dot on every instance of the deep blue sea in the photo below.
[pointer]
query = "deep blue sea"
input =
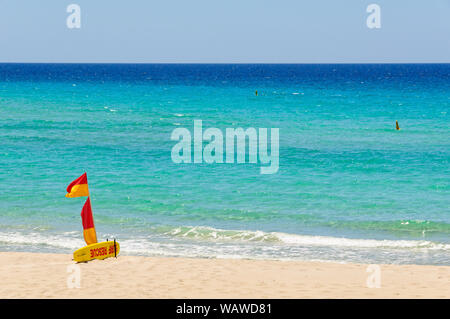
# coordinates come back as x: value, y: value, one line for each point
x: 349, y: 188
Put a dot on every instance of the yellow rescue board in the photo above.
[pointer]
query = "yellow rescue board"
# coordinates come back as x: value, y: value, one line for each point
x: 97, y: 251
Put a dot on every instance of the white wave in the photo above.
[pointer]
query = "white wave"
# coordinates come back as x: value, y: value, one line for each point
x: 68, y: 240
x: 210, y: 233
x: 359, y: 243
x: 211, y: 242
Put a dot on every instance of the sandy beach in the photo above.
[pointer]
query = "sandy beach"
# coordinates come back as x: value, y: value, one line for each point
x: 39, y: 275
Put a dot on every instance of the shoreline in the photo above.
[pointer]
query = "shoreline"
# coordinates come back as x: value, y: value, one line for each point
x: 43, y: 275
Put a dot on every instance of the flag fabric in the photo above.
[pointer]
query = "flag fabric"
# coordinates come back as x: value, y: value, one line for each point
x: 88, y: 223
x: 78, y: 187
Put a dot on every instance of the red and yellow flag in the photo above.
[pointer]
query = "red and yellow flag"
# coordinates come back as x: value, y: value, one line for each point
x: 88, y: 223
x: 78, y: 187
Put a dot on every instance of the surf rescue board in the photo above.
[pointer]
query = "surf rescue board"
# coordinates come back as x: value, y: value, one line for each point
x: 101, y: 250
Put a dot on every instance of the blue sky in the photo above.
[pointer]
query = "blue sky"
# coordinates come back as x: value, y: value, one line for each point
x: 233, y: 31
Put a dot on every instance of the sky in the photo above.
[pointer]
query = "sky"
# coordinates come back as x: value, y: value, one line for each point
x: 225, y: 31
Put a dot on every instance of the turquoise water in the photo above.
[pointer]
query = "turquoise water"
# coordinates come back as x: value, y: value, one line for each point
x: 349, y: 187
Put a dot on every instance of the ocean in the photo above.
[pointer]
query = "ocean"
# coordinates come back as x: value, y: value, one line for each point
x: 350, y: 187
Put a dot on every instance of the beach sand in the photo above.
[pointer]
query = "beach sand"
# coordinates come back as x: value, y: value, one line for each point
x: 38, y: 275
